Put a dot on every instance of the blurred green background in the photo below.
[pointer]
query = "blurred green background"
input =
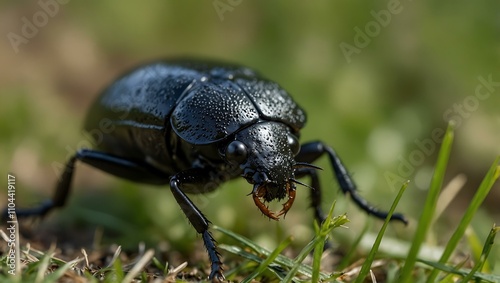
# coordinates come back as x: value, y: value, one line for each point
x: 378, y: 81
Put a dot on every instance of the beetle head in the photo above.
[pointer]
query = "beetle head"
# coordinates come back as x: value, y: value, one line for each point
x: 265, y: 152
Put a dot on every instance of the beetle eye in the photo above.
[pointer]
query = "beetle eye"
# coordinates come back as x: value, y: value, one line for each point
x: 236, y: 152
x: 293, y: 141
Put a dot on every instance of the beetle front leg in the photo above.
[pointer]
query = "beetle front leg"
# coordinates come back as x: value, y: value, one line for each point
x: 197, y: 178
x: 315, y: 192
x: 311, y: 151
x: 319, y: 214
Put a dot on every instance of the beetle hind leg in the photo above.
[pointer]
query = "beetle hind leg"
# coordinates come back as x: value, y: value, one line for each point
x: 60, y: 195
x: 117, y: 166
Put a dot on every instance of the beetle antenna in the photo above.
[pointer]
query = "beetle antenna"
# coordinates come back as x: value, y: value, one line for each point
x: 300, y: 183
x: 306, y: 165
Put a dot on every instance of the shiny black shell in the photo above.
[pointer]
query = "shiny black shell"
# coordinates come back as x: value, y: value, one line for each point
x: 201, y: 102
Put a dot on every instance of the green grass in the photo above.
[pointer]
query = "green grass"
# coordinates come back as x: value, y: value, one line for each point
x: 373, y: 252
x: 287, y: 269
x: 250, y: 261
x: 430, y: 205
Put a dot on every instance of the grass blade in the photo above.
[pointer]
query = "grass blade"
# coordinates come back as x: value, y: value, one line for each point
x: 44, y: 265
x: 264, y: 264
x: 247, y: 242
x: 280, y: 259
x: 482, y: 277
x: 450, y: 276
x: 322, y: 233
x: 477, y: 200
x: 298, y: 260
x: 117, y: 271
x: 365, y: 269
x: 346, y: 259
x: 328, y: 225
x: 430, y: 204
x: 476, y: 247
x: 484, y: 255
x: 274, y: 268
x: 139, y: 266
x: 295, y: 266
x: 60, y: 271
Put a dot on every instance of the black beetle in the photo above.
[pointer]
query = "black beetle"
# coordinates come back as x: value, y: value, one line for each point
x: 194, y: 125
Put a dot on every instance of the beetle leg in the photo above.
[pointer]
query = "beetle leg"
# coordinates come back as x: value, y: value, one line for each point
x: 315, y: 192
x: 59, y: 198
x: 319, y: 214
x: 311, y: 151
x: 197, y: 177
x: 117, y: 166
